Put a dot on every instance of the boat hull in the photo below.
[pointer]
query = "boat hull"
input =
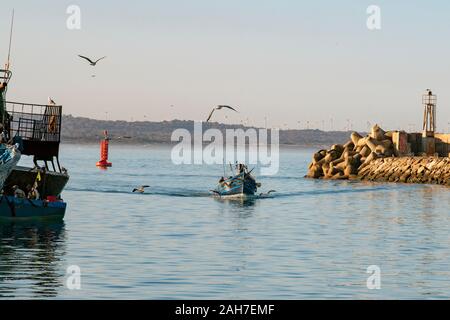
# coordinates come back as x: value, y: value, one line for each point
x: 14, y: 208
x: 23, y: 176
x: 238, y: 187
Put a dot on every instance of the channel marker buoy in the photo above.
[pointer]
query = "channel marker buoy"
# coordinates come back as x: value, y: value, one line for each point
x: 104, y: 144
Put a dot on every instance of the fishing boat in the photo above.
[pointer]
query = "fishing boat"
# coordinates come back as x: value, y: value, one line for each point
x: 241, y: 184
x: 30, y: 130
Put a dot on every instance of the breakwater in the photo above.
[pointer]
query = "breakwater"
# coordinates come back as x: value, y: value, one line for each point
x: 392, y: 156
x: 408, y: 170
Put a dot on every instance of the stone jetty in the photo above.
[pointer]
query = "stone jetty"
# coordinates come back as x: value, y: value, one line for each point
x: 392, y: 156
x: 408, y: 170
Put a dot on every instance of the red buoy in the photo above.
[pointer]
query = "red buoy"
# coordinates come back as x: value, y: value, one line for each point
x: 104, y: 163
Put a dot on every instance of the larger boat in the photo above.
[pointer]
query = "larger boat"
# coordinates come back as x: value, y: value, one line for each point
x: 30, y: 130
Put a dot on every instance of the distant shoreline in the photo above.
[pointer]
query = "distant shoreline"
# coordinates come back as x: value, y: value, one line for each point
x: 80, y: 130
x: 169, y: 144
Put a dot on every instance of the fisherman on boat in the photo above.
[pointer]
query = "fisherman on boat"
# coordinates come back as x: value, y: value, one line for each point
x: 3, y: 86
x: 2, y: 134
x: 33, y: 193
x: 223, y: 182
x: 18, y: 193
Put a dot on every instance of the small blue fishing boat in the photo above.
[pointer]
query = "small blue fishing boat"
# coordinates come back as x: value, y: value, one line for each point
x: 242, y: 184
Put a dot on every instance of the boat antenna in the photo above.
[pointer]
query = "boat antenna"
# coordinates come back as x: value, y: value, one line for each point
x: 223, y: 165
x: 10, y: 41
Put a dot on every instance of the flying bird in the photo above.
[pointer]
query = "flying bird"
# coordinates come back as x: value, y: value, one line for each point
x: 51, y: 102
x: 92, y: 63
x: 141, y: 189
x: 267, y: 193
x: 218, y: 108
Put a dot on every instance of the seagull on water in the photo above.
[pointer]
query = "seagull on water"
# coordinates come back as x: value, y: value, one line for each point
x: 51, y: 102
x: 218, y: 108
x: 141, y: 189
x: 92, y: 63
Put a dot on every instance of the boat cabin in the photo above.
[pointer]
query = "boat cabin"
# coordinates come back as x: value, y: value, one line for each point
x: 37, y: 128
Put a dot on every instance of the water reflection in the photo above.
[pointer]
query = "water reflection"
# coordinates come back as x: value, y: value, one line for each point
x: 238, y: 202
x: 30, y: 259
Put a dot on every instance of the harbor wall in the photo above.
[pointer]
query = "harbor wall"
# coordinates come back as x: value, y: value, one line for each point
x: 430, y: 170
x: 443, y: 144
x: 393, y: 156
x: 438, y: 145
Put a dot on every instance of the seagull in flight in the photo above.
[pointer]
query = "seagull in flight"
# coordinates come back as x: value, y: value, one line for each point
x: 92, y: 63
x: 141, y: 189
x: 218, y: 108
x: 267, y: 193
x: 51, y: 102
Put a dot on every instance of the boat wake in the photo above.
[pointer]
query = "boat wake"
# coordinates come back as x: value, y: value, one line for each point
x: 148, y: 192
x: 192, y: 193
x: 329, y: 192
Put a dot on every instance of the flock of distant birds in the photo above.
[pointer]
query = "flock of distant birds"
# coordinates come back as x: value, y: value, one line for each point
x: 141, y: 189
x: 93, y: 63
x: 219, y: 107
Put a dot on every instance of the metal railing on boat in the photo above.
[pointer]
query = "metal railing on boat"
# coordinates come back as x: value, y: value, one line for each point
x: 38, y: 125
x: 34, y: 122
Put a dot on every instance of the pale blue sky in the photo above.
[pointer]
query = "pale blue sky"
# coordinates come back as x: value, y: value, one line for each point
x: 288, y: 60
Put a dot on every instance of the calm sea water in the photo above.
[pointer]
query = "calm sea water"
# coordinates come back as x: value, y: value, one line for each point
x: 312, y: 239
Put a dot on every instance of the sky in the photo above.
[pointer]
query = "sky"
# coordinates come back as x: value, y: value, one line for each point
x: 289, y: 63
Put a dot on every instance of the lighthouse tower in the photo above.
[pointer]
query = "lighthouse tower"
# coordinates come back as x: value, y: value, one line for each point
x: 429, y: 122
x: 104, y: 144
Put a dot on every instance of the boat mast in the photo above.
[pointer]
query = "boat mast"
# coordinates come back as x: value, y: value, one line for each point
x: 5, y: 75
x: 10, y: 41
